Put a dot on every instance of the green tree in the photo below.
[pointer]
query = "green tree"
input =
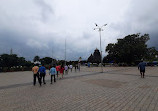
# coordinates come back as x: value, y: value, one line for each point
x: 28, y: 64
x: 128, y: 50
x: 151, y: 54
x: 21, y: 61
x: 36, y: 58
x: 46, y: 60
x: 9, y: 60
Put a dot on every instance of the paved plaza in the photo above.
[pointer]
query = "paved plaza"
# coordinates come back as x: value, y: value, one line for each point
x: 117, y: 89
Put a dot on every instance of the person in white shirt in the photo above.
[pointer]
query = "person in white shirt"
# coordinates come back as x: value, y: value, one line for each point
x: 66, y: 69
x: 70, y: 67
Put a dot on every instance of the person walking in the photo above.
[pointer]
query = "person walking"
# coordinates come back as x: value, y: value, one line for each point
x: 42, y: 71
x: 141, y: 67
x: 61, y: 71
x: 53, y: 72
x: 66, y: 69
x: 57, y: 69
x: 70, y: 67
x: 76, y: 67
x: 88, y: 64
x: 36, y: 75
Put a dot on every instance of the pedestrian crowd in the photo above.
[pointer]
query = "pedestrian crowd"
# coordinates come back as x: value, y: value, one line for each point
x: 54, y: 72
x: 40, y: 72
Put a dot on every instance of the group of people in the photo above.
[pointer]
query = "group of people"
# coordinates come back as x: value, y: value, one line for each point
x: 40, y: 73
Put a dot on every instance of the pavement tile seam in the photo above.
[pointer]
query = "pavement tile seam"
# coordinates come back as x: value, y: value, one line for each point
x: 142, y: 99
x: 149, y: 99
x: 112, y: 98
x: 119, y: 100
x: 155, y: 102
x: 135, y: 100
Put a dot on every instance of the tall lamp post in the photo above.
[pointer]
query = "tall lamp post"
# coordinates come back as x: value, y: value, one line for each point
x: 100, y: 29
x: 65, y: 51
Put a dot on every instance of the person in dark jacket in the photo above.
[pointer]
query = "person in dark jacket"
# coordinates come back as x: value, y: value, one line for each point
x: 141, y: 67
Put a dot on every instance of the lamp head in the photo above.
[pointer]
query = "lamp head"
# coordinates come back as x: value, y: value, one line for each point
x: 105, y: 24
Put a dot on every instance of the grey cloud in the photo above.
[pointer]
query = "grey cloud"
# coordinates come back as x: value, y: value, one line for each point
x: 153, y: 40
x: 46, y: 9
x: 42, y: 33
x: 141, y: 17
x: 18, y: 42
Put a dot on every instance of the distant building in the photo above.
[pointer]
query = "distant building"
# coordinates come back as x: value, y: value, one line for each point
x: 95, y: 57
x: 11, y: 51
x: 37, y: 62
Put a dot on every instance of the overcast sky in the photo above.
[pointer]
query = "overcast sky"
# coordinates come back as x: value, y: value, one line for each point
x: 40, y: 27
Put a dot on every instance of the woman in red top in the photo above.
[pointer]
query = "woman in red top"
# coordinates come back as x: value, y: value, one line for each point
x: 58, y: 69
x: 62, y: 70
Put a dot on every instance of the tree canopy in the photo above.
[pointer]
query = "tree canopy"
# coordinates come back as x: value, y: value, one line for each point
x: 9, y: 61
x: 36, y: 58
x: 129, y: 49
x: 46, y: 60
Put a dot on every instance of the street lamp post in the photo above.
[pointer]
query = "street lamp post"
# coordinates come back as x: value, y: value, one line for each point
x: 65, y: 51
x: 100, y: 29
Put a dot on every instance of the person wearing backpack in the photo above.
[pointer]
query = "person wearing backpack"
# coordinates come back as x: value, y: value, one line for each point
x: 42, y: 71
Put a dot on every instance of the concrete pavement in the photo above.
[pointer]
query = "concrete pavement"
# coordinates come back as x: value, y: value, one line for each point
x: 117, y: 89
